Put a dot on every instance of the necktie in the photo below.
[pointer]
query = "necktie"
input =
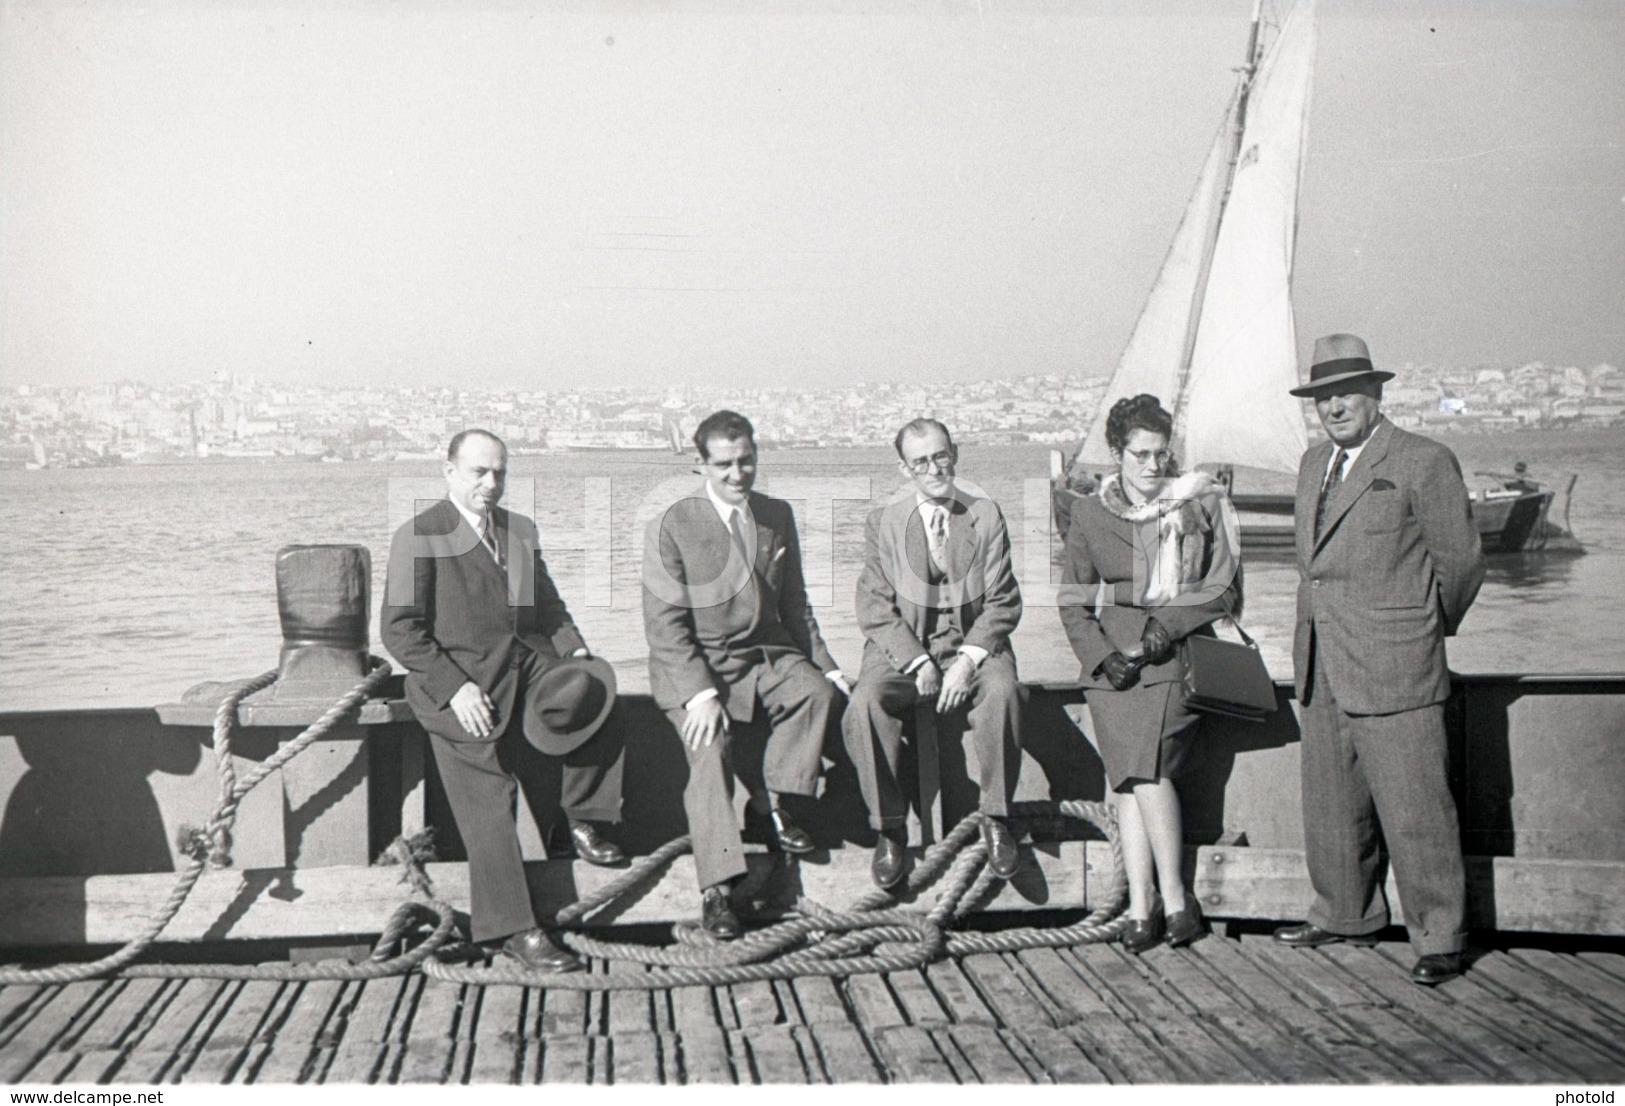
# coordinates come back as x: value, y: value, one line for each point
x: 1333, y: 480
x: 488, y: 538
x: 736, y: 528
x: 937, y: 538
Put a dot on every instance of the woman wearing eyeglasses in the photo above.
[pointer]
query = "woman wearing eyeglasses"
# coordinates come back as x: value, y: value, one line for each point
x: 1150, y: 559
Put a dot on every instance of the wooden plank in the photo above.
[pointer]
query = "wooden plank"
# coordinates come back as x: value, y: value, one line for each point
x: 245, y: 1014
x: 356, y: 1061
x: 1437, y: 1015
x: 1314, y: 975
x: 260, y: 1047
x: 434, y: 1016
x: 497, y: 1055
x: 1262, y: 988
x: 1186, y: 1043
x: 52, y: 1067
x: 425, y: 1060
x: 844, y: 1054
x: 703, y: 1054
x: 960, y: 1069
x: 566, y: 1058
x: 1557, y: 1003
x: 818, y: 999
x: 756, y: 1004
x: 1005, y: 993
x: 1610, y: 962
x: 873, y: 1001
x: 1596, y: 988
x: 1523, y: 1026
x: 1063, y: 1058
x: 298, y: 1037
x: 190, y: 1008
x: 1100, y: 1026
x: 957, y: 994
x: 634, y: 1058
x: 1275, y: 1055
x: 916, y: 998
x: 368, y: 1015
x: 911, y: 1056
x: 775, y: 1055
x: 46, y: 1022
x: 564, y: 1013
x: 501, y: 1014
x: 694, y: 1008
x: 117, y: 1018
x: 14, y: 1000
x: 988, y: 1054
x: 789, y: 1009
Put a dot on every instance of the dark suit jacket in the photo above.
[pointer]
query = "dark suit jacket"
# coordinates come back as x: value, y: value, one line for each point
x: 894, y: 598
x: 462, y: 620
x: 1397, y: 565
x: 707, y: 628
x: 1102, y: 548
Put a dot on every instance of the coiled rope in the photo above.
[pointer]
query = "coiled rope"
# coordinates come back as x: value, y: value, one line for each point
x: 873, y: 935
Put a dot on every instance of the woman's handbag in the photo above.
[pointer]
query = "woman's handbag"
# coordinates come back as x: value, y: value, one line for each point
x: 1222, y: 677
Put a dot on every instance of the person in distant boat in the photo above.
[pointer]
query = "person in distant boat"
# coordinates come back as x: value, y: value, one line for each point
x: 937, y: 602
x: 1151, y: 558
x: 736, y: 660
x: 1388, y: 563
x: 499, y: 676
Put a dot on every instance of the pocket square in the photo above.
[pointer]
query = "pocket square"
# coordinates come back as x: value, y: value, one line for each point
x: 1381, y: 485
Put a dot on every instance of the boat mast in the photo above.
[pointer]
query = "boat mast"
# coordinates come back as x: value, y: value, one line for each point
x: 1194, y: 320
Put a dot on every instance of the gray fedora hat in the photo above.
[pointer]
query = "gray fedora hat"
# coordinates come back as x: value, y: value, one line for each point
x: 1338, y: 358
x: 569, y: 703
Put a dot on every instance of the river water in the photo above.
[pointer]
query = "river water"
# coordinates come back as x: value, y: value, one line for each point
x: 125, y: 586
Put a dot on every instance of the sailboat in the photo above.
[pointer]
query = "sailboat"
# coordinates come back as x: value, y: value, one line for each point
x: 1215, y: 340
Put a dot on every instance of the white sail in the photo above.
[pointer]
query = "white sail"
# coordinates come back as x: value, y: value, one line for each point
x: 1235, y: 408
x: 1152, y: 359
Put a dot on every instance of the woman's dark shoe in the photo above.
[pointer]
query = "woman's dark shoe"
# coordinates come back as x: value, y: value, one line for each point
x: 1185, y: 926
x: 1143, y: 933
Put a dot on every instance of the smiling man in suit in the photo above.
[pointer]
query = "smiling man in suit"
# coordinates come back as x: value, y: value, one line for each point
x: 1388, y: 561
x: 937, y: 602
x: 503, y: 683
x: 736, y: 659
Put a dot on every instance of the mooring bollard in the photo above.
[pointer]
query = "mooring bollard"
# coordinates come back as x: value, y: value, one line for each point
x: 321, y: 814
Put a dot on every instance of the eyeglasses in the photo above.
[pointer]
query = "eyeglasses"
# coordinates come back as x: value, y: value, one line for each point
x: 924, y: 464
x: 1141, y: 456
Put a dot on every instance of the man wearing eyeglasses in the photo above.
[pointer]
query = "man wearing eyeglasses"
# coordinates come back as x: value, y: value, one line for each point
x: 937, y: 601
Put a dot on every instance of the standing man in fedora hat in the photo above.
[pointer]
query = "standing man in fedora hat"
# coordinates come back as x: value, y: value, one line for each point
x: 1388, y: 563
x: 503, y: 683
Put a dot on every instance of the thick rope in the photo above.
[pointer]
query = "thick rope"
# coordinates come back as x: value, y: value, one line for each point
x: 209, y: 845
x: 872, y: 936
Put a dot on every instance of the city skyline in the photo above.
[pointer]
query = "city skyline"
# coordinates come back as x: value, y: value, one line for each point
x: 613, y: 196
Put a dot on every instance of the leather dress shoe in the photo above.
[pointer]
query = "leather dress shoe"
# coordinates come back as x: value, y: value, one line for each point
x: 536, y: 950
x: 1185, y: 926
x: 780, y: 832
x: 1436, y: 967
x: 1310, y: 936
x: 592, y: 847
x: 1002, y: 854
x: 891, y: 860
x: 717, y: 916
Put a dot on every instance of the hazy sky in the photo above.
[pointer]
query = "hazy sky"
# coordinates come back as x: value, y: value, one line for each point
x: 614, y: 193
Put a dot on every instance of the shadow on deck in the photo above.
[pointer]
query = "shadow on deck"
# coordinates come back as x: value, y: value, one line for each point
x: 1222, y: 1011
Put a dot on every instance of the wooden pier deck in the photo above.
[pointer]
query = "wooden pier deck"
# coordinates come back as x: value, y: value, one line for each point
x: 1221, y: 1011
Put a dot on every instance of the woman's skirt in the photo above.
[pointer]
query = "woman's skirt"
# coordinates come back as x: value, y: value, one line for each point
x: 1144, y: 733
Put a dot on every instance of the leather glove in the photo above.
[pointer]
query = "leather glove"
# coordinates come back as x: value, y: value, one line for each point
x: 1120, y: 672
x: 1156, y: 643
